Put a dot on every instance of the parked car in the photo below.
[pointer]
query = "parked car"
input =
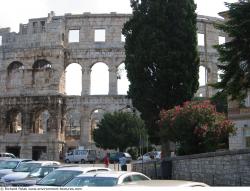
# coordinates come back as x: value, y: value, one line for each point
x: 165, y: 183
x: 23, y: 170
x: 150, y: 155
x: 81, y: 155
x: 112, y: 178
x: 62, y: 176
x: 8, y: 165
x: 114, y: 157
x: 35, y: 175
x: 10, y: 155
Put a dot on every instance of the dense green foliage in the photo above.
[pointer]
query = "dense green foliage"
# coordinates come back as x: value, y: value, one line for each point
x: 119, y: 130
x: 235, y: 54
x: 161, y: 57
x: 196, y: 127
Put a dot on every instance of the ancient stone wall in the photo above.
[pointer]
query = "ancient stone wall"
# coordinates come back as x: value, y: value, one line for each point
x: 36, y: 116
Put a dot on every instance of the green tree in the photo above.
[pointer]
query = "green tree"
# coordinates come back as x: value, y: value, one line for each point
x: 119, y: 130
x: 196, y: 127
x: 161, y: 57
x: 235, y: 54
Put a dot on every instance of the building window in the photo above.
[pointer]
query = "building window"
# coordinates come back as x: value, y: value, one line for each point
x: 248, y: 142
x: 222, y: 40
x: 201, y: 39
x: 35, y: 27
x: 74, y: 36
x: 99, y: 35
x: 42, y: 26
x: 1, y: 39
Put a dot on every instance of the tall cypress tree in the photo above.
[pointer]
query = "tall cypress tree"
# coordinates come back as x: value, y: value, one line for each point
x: 235, y: 54
x: 161, y: 56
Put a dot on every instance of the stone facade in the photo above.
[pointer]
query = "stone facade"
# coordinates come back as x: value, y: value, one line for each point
x: 36, y: 116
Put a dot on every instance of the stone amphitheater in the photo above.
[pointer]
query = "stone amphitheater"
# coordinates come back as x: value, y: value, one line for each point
x: 37, y: 117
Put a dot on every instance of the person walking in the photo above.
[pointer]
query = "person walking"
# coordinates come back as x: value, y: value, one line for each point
x: 123, y: 162
x: 106, y: 160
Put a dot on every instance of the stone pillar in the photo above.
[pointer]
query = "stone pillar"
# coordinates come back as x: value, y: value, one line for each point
x: 113, y: 80
x: 85, y: 128
x: 86, y: 70
x: 27, y: 122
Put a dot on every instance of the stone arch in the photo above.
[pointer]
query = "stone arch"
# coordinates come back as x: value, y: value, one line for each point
x: 42, y: 64
x: 122, y: 82
x: 14, y: 75
x: 41, y: 72
x: 73, y: 123
x: 99, y: 79
x: 73, y: 79
x: 96, y: 116
x: 14, y: 121
x: 41, y: 121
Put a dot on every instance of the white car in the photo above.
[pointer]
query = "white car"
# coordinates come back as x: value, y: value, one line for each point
x: 112, y: 178
x: 150, y: 155
x: 61, y: 176
x: 165, y: 183
x: 23, y: 170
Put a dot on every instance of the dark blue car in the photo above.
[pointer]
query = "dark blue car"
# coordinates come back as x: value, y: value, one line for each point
x: 114, y: 157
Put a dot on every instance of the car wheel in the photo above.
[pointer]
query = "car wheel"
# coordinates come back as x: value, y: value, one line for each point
x: 67, y: 161
x: 83, y: 161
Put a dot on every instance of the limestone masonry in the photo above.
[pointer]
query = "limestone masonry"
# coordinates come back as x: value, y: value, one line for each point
x: 36, y: 116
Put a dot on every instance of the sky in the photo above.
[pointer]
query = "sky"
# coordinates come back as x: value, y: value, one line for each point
x: 14, y: 12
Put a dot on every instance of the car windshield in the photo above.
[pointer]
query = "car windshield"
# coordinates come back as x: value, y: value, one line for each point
x: 40, y: 172
x: 26, y: 167
x: 92, y: 181
x: 58, y: 177
x: 8, y: 164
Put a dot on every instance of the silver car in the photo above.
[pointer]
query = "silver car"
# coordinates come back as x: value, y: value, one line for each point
x: 8, y: 165
x: 23, y: 170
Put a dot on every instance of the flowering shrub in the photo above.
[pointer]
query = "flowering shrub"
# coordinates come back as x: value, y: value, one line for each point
x: 196, y: 127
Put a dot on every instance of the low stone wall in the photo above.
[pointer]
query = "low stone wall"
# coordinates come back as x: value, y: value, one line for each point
x: 151, y: 168
x: 225, y: 168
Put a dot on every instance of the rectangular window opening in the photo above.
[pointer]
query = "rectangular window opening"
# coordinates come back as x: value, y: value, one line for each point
x: 247, y: 142
x: 99, y: 35
x: 74, y: 36
x: 1, y: 38
x: 201, y: 39
x: 222, y: 40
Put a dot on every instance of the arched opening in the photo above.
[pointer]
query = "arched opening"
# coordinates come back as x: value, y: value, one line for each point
x: 122, y: 82
x: 95, y: 117
x: 14, y: 121
x: 99, y: 79
x: 42, y: 72
x: 202, y: 76
x: 42, y: 122
x: 73, y: 124
x: 15, y: 74
x: 42, y: 64
x: 73, y: 79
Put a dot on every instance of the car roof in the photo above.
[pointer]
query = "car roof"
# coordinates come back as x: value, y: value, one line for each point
x: 111, y: 174
x: 45, y: 162
x: 83, y: 169
x: 18, y: 160
x: 164, y: 183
